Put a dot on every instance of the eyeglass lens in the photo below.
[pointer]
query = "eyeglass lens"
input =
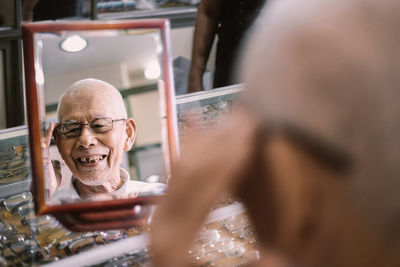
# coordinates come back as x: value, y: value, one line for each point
x: 74, y: 129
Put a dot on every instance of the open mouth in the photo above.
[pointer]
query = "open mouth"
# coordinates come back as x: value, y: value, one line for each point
x: 91, y: 159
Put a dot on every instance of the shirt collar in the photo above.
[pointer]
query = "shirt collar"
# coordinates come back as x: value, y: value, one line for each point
x: 124, y: 176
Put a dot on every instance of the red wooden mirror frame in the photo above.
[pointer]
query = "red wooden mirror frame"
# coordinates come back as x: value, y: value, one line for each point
x: 112, y: 214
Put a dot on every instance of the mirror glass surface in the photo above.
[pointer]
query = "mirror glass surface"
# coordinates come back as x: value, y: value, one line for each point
x: 131, y: 60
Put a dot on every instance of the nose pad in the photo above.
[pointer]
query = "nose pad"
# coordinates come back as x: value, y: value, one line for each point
x: 86, y: 139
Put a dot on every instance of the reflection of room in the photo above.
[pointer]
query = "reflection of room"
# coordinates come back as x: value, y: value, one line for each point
x: 128, y: 69
x: 131, y: 64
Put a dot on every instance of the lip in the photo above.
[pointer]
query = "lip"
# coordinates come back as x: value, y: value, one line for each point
x: 90, y: 160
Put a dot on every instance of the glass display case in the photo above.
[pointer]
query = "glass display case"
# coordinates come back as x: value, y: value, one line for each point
x: 226, y: 239
x: 205, y: 109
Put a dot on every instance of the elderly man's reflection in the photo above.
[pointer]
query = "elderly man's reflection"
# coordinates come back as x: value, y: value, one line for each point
x: 92, y: 134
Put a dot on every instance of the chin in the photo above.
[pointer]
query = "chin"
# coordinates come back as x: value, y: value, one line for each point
x: 89, y: 180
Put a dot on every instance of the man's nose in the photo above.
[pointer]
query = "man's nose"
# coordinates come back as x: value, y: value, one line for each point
x: 87, y: 138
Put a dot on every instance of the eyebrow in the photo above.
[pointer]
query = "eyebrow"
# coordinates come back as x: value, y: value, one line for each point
x: 77, y: 121
x: 69, y: 121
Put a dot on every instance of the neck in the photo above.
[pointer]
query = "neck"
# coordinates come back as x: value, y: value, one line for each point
x: 84, y: 190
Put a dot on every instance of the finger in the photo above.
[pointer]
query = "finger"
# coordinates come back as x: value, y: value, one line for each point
x: 49, y: 130
x: 101, y: 197
x: 133, y: 195
x: 197, y: 181
x: 51, y: 182
x: 47, y: 135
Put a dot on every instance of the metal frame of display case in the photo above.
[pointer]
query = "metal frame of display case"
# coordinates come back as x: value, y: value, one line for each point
x: 189, y: 101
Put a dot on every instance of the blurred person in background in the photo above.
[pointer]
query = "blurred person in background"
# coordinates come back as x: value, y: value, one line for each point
x: 229, y: 20
x: 37, y: 10
x: 312, y: 151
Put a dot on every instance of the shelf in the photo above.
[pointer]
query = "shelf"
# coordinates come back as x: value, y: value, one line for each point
x: 9, y: 33
x: 178, y: 16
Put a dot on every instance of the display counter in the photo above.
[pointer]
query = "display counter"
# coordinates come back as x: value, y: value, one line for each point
x: 226, y: 239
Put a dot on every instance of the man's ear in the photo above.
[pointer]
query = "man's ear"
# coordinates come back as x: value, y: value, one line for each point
x: 56, y: 134
x: 130, y: 133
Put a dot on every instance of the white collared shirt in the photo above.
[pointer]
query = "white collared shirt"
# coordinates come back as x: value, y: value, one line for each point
x: 68, y: 192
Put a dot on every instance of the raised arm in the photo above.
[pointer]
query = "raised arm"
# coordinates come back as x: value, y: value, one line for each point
x: 207, y: 20
x: 52, y: 168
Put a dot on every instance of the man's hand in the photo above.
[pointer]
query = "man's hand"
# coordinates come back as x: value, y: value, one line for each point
x: 223, y: 159
x: 108, y: 196
x: 52, y: 168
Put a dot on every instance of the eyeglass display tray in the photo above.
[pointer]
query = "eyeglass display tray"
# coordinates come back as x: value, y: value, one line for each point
x: 223, y: 225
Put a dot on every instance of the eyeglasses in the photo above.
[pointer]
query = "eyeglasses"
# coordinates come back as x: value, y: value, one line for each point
x: 73, y: 129
x: 334, y: 157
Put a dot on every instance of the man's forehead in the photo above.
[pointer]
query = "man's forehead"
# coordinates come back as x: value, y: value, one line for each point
x: 87, y: 106
x: 88, y: 118
x: 88, y: 112
x: 89, y: 99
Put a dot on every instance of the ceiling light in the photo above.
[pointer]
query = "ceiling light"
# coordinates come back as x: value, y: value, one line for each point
x: 153, y: 71
x: 73, y: 43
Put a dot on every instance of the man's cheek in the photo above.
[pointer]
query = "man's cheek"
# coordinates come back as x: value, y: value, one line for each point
x: 66, y: 156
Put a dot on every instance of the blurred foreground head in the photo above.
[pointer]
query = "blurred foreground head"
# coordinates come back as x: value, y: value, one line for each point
x: 313, y: 150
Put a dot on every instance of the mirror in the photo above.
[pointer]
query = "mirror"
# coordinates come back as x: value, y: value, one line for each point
x: 108, y: 160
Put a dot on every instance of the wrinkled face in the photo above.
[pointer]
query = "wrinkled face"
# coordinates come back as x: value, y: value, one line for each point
x: 94, y: 158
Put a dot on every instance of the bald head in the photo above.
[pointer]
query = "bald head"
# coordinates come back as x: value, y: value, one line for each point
x: 331, y: 68
x: 108, y: 134
x: 94, y: 91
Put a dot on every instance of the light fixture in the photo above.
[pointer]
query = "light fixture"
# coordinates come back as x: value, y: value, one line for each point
x: 152, y: 71
x: 73, y: 43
